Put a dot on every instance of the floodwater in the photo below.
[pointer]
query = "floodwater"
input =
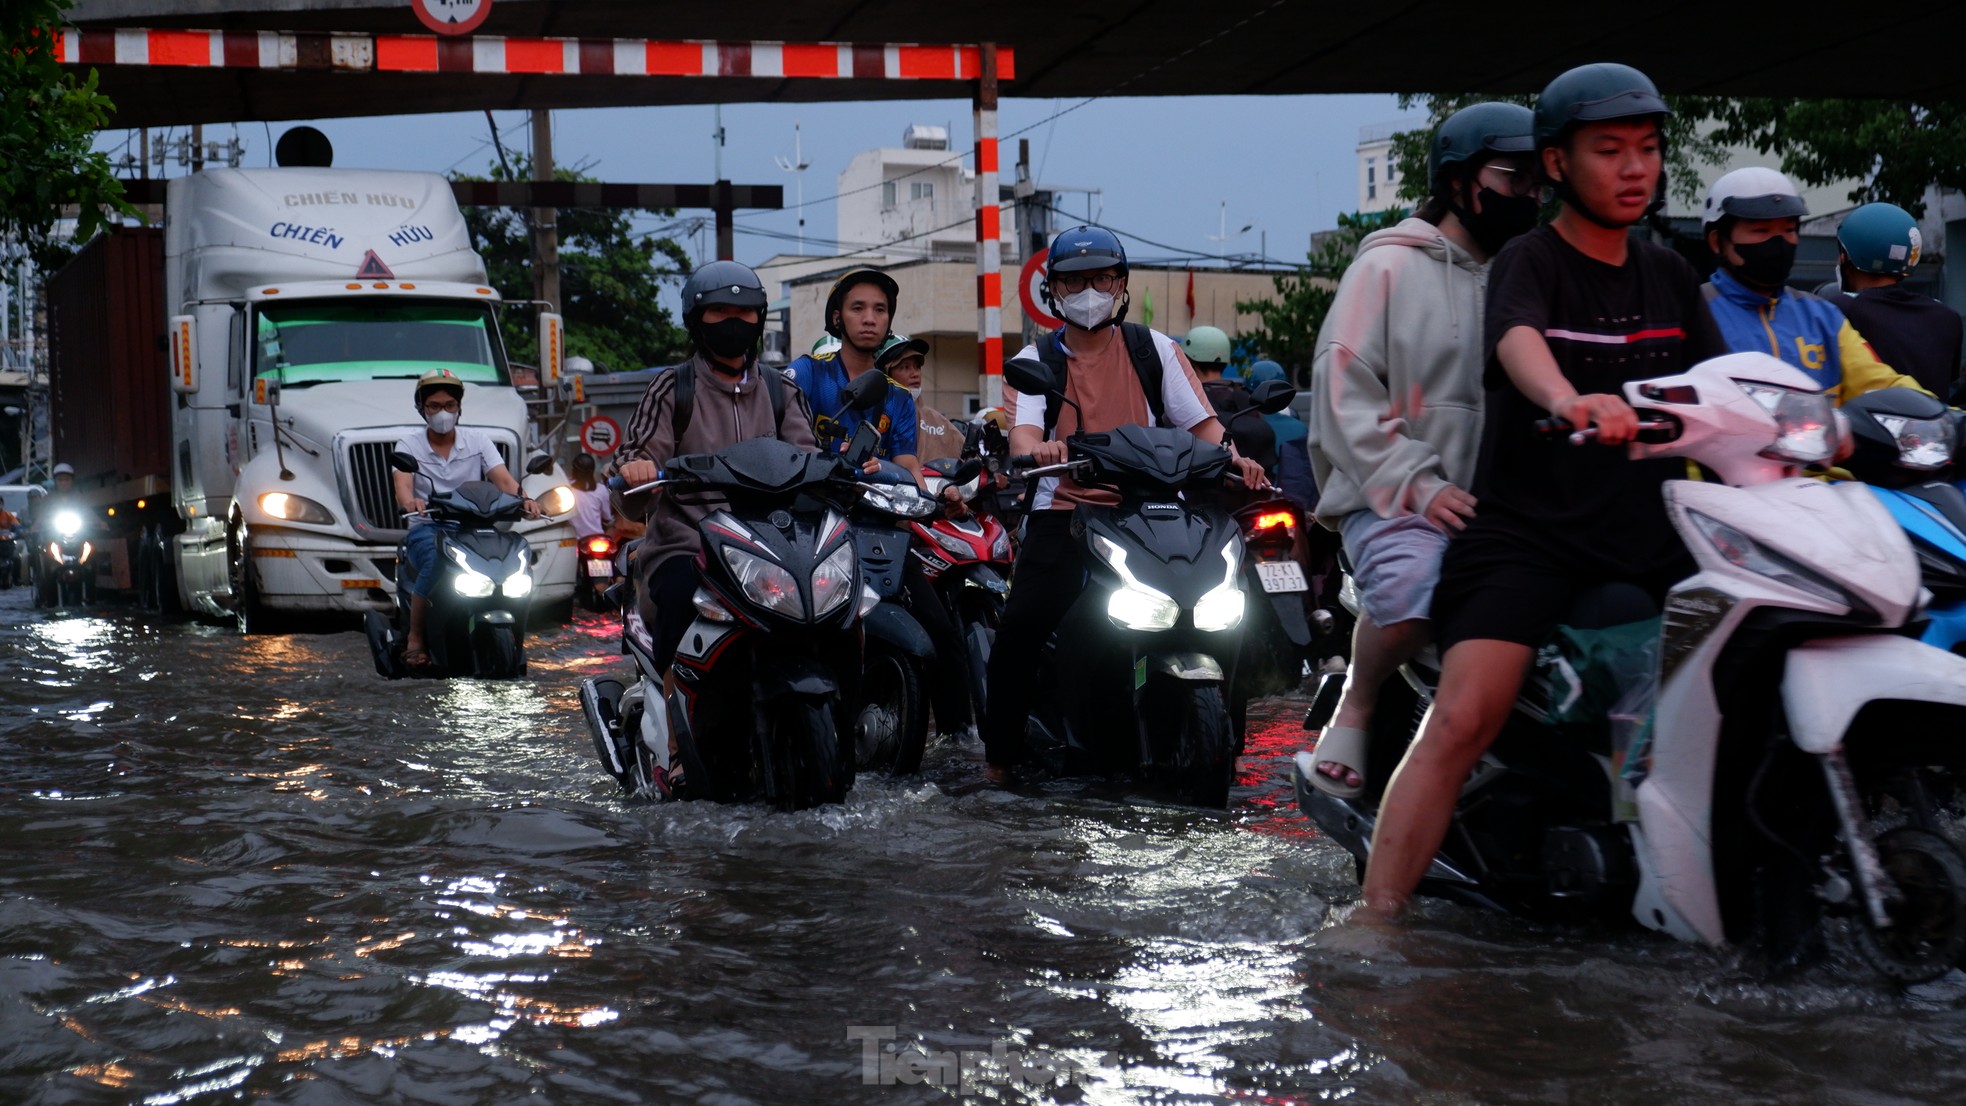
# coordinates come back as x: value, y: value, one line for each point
x: 248, y: 869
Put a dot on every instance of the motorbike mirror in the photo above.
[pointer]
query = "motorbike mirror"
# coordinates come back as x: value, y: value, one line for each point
x: 403, y: 462
x: 966, y: 472
x: 1030, y: 376
x: 1272, y: 396
x: 540, y: 464
x: 866, y: 391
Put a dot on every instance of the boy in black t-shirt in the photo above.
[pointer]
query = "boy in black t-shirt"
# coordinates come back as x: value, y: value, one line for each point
x: 1575, y: 309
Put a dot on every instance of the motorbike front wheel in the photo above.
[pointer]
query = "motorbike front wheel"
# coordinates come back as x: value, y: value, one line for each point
x: 808, y: 766
x: 1927, y: 936
x: 497, y: 654
x: 1205, y: 749
x: 891, y: 729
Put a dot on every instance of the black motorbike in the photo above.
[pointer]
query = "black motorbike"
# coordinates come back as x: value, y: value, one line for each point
x: 10, y: 560
x: 65, y: 569
x: 766, y: 675
x: 891, y: 725
x: 476, y: 624
x: 1133, y: 679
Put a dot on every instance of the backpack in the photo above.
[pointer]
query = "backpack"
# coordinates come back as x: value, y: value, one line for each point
x: 686, y: 397
x: 1140, y: 349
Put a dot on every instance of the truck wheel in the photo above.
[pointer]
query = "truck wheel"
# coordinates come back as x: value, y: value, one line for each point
x: 247, y: 612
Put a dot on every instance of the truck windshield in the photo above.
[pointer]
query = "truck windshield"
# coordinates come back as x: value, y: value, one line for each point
x: 315, y: 341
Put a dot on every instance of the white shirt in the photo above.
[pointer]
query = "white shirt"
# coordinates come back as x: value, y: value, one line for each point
x: 592, y: 512
x: 473, y: 456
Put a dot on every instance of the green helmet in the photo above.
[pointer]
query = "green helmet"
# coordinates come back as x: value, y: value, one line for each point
x: 896, y: 347
x: 1880, y: 238
x: 1591, y: 94
x: 1207, y: 345
x: 1477, y: 129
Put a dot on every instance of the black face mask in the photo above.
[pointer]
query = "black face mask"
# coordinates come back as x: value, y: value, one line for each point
x: 730, y: 337
x: 1765, y: 264
x: 1500, y: 219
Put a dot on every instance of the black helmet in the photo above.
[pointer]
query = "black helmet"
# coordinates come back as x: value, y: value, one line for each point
x: 1903, y: 437
x: 1083, y: 248
x: 1477, y: 129
x: 850, y: 280
x: 1591, y: 94
x: 720, y: 282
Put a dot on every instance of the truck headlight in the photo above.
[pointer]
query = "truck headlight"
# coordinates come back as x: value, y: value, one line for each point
x: 295, y: 508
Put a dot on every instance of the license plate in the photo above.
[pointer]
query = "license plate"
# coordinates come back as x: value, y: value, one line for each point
x: 606, y: 568
x: 1281, y: 576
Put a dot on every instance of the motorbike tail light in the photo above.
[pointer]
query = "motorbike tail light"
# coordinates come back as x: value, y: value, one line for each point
x: 1271, y: 520
x: 600, y: 547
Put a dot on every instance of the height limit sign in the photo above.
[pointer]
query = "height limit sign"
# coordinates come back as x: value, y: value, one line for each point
x: 452, y: 17
x: 600, y: 435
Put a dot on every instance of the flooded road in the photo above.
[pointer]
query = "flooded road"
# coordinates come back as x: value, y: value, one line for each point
x: 248, y: 869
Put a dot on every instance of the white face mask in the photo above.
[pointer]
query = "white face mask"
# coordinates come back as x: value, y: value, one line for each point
x: 441, y: 422
x: 1088, y: 307
x: 913, y: 393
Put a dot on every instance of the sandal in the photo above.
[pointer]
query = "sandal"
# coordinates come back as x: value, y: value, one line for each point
x: 1344, y: 746
x: 416, y: 658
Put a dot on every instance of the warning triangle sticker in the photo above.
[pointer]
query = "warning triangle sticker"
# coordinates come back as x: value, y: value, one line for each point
x: 373, y: 268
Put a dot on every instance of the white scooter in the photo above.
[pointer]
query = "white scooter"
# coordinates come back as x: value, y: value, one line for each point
x: 1797, y: 727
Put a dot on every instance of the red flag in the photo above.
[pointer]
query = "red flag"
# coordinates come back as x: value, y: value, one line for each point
x: 1191, y: 295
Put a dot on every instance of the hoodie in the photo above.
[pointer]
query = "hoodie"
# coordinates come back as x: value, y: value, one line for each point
x: 1396, y: 391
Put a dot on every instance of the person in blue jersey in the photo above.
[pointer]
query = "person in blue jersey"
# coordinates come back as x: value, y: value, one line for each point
x: 860, y: 314
x: 1753, y: 219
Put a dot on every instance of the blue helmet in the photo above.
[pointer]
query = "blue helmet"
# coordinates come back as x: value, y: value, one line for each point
x: 1083, y: 248
x: 1880, y: 238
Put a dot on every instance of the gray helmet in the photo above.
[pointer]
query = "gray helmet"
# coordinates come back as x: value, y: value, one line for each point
x: 1477, y: 129
x: 1591, y: 94
x: 721, y: 282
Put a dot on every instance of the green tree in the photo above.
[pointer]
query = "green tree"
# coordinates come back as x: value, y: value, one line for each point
x: 48, y: 124
x: 1287, y: 333
x: 1892, y: 148
x: 611, y: 281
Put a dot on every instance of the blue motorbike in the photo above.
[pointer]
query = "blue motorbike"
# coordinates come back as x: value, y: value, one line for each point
x: 1906, y: 442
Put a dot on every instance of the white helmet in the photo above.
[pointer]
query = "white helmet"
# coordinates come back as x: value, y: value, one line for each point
x: 63, y: 469
x: 1753, y: 193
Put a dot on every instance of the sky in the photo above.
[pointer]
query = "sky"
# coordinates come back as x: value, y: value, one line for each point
x: 1166, y: 165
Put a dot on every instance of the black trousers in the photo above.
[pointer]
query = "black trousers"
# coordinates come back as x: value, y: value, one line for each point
x: 1045, y: 582
x: 948, y: 679
x: 662, y: 594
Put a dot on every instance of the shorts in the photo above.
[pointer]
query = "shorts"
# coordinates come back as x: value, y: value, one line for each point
x: 1395, y: 564
x: 1501, y: 584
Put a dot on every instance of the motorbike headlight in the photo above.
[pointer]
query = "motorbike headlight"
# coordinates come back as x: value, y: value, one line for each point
x: 86, y: 550
x: 707, y: 605
x: 558, y: 501
x: 518, y: 585
x: 904, y: 500
x: 1742, y: 551
x: 764, y: 583
x: 473, y: 584
x: 295, y: 508
x: 1805, y: 423
x: 952, y: 543
x: 68, y: 524
x: 869, y: 599
x: 1133, y: 604
x: 1923, y: 444
x: 833, y: 581
x: 1221, y: 608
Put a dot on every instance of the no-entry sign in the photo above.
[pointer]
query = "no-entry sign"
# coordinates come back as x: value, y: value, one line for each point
x: 1027, y: 291
x: 600, y: 435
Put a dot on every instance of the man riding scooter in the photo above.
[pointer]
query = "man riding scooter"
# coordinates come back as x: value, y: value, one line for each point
x: 447, y: 456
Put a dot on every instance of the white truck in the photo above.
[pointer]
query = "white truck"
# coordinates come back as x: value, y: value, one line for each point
x: 300, y: 305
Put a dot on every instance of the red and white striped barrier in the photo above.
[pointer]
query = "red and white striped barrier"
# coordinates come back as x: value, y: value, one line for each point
x: 605, y: 57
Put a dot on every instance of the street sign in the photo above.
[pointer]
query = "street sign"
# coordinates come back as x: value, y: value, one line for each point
x: 1027, y: 291
x: 452, y: 17
x: 600, y: 435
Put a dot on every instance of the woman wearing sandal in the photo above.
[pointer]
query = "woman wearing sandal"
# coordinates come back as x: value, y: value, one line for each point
x: 1397, y: 411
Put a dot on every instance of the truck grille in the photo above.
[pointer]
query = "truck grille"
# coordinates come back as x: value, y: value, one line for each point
x: 369, y: 485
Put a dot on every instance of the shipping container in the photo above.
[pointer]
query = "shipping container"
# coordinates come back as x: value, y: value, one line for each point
x: 109, y: 392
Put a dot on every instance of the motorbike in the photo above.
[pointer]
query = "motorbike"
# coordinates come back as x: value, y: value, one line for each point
x: 891, y: 723
x: 966, y: 561
x: 1907, y: 442
x: 765, y: 676
x: 10, y: 561
x: 476, y: 624
x: 601, y: 566
x: 66, y: 574
x: 1777, y: 780
x: 1133, y: 678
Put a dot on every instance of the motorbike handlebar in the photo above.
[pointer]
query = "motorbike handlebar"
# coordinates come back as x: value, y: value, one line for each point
x: 617, y: 484
x: 1551, y: 427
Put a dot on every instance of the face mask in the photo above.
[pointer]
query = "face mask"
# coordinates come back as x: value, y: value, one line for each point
x: 441, y: 422
x: 1088, y: 308
x: 1765, y: 264
x: 730, y: 337
x: 913, y: 393
x: 1500, y: 219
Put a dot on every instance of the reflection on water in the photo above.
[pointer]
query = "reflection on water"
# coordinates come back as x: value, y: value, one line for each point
x: 246, y: 868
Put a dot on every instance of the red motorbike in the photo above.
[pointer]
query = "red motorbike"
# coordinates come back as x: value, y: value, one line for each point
x: 966, y: 559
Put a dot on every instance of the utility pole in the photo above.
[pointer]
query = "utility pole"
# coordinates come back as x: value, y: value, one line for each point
x: 721, y: 202
x: 197, y: 147
x: 797, y: 167
x: 545, y: 220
